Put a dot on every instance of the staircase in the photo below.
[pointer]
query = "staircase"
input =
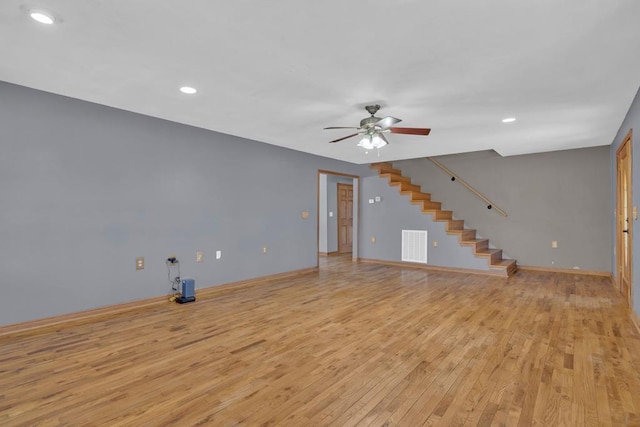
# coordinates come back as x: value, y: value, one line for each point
x: 466, y: 237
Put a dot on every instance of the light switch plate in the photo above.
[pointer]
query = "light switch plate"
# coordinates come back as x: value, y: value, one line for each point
x: 305, y: 214
x: 199, y: 256
x: 218, y: 254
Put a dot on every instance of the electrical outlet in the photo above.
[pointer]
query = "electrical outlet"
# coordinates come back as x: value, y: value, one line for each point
x: 140, y: 263
x: 435, y: 243
x: 554, y: 244
x: 264, y: 249
x: 373, y: 239
x: 305, y: 214
x: 218, y: 254
x: 199, y: 256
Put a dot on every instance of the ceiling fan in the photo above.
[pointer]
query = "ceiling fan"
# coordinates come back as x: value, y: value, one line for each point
x: 373, y: 129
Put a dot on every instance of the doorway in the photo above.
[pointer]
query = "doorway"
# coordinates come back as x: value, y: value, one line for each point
x: 624, y: 219
x: 337, y: 214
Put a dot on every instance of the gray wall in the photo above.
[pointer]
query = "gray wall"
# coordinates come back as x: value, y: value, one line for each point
x: 386, y: 219
x: 631, y: 121
x: 86, y: 189
x: 563, y: 196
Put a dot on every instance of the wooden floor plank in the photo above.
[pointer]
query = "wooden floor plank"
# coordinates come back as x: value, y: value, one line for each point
x: 355, y: 344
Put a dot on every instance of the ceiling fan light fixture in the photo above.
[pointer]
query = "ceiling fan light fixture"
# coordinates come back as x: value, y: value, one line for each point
x: 369, y: 142
x: 377, y: 141
x: 366, y: 142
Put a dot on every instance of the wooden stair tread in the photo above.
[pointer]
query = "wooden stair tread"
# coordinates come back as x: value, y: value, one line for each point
x: 386, y: 168
x: 392, y: 177
x: 417, y: 195
x: 455, y: 224
x: 503, y: 263
x: 459, y: 230
x: 474, y: 241
x: 431, y: 207
x: 488, y: 251
x: 440, y: 215
x: 406, y: 186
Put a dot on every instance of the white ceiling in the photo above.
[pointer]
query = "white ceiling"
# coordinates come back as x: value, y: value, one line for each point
x: 280, y: 71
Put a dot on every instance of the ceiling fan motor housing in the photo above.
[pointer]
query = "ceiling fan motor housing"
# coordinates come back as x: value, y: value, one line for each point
x: 369, y: 122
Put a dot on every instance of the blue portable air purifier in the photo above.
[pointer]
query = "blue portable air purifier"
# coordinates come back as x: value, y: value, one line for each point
x: 188, y: 291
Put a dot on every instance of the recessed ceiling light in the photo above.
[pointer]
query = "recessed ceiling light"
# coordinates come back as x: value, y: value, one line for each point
x: 188, y: 90
x: 509, y: 120
x: 41, y: 17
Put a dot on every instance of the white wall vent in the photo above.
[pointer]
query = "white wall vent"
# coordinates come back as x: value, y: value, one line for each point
x: 414, y: 246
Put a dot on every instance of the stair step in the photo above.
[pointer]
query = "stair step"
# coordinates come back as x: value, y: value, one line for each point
x: 381, y: 164
x: 385, y: 168
x: 510, y: 265
x: 393, y: 177
x: 429, y: 206
x: 418, y: 195
x: 478, y: 243
x: 442, y: 215
x: 455, y: 224
x: 495, y: 255
x: 464, y: 234
x: 406, y: 186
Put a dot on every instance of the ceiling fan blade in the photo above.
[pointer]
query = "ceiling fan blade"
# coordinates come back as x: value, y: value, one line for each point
x: 387, y: 122
x: 346, y: 137
x: 411, y: 131
x: 341, y: 127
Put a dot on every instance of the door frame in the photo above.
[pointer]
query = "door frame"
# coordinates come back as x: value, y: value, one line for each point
x: 356, y: 210
x: 626, y: 144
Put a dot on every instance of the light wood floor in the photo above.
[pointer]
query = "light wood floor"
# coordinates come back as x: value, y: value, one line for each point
x: 359, y: 344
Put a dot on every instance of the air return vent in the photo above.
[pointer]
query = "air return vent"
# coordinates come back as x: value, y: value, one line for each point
x: 414, y: 246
